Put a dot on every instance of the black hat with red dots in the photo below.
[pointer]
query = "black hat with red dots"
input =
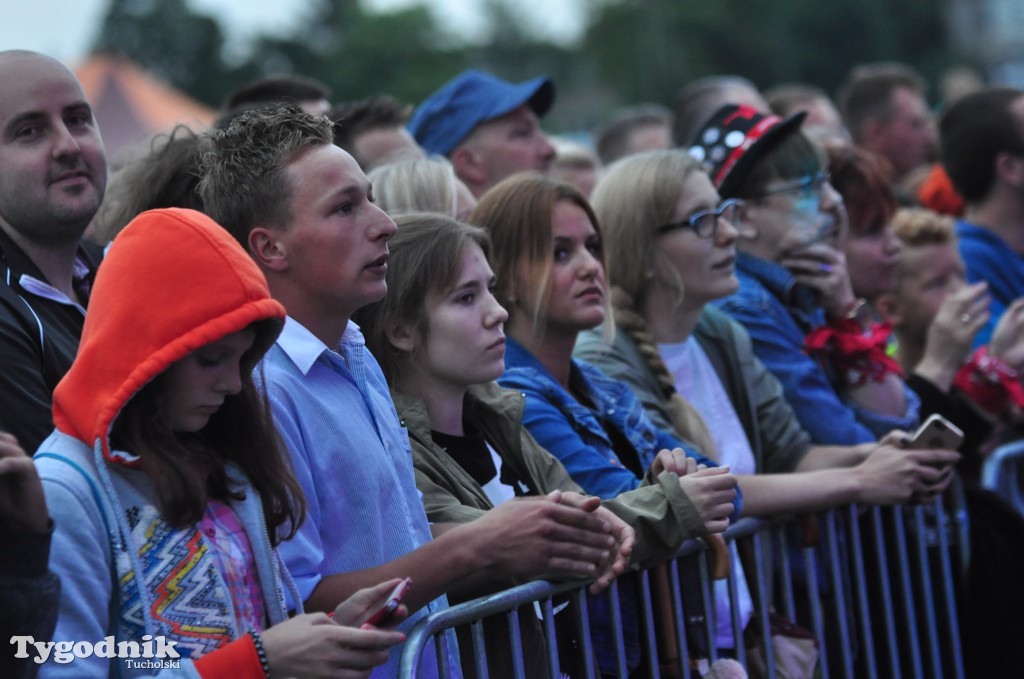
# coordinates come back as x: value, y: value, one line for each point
x: 734, y: 138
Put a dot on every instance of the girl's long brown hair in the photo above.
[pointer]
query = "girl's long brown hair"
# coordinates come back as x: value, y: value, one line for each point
x: 188, y: 470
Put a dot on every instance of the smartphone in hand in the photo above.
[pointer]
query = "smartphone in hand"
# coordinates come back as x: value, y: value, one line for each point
x: 937, y: 432
x: 391, y: 603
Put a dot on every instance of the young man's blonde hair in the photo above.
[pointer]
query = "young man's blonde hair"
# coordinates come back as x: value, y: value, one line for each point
x: 243, y: 167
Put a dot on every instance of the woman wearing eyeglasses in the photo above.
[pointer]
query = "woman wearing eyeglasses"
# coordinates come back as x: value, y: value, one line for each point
x: 672, y: 246
x: 672, y: 250
x: 794, y: 297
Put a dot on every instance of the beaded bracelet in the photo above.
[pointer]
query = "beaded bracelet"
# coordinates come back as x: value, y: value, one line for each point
x: 261, y: 652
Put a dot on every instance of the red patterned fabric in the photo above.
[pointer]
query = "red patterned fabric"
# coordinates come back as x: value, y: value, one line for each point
x: 989, y: 382
x: 858, y: 355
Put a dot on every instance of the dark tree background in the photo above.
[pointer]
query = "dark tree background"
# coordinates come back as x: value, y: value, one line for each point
x: 631, y: 50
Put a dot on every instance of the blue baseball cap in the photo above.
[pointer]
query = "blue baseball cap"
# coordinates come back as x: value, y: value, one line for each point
x: 447, y: 116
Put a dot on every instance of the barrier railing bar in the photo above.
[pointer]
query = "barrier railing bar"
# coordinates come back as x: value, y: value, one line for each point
x: 583, y: 629
x: 620, y: 644
x: 836, y: 563
x: 839, y: 558
x: 889, y: 614
x: 550, y: 638
x: 952, y: 621
x: 479, y: 649
x: 735, y: 572
x: 516, y: 641
x: 647, y: 611
x: 786, y: 572
x: 999, y: 473
x: 444, y: 669
x: 763, y: 606
x: 708, y: 601
x: 907, y: 591
x: 679, y: 615
x: 813, y: 597
x: 867, y: 644
x: 927, y: 595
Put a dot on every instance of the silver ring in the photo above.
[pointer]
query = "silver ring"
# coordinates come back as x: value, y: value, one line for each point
x: 965, y: 318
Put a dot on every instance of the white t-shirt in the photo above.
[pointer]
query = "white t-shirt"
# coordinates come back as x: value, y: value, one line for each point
x: 696, y: 381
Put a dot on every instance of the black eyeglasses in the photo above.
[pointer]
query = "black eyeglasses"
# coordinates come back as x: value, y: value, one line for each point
x: 808, y: 187
x: 705, y: 222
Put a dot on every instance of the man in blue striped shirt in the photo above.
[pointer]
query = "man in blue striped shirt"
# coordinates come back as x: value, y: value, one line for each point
x: 305, y: 211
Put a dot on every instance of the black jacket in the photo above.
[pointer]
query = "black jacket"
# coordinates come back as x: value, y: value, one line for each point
x: 38, y: 342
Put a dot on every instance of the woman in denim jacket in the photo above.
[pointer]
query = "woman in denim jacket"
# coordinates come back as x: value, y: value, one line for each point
x: 549, y: 265
x: 795, y: 298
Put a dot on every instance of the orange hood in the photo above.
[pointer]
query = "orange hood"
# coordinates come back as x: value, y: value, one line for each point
x: 172, y: 281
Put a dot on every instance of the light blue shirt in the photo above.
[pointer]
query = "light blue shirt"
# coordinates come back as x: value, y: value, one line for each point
x: 353, y: 460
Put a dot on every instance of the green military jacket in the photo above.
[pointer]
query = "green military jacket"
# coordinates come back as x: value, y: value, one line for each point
x: 659, y: 511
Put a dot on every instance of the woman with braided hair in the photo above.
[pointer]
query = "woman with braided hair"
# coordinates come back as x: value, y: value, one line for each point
x: 671, y: 248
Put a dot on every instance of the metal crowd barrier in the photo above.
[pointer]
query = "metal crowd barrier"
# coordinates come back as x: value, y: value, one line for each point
x: 874, y: 585
x: 1001, y: 473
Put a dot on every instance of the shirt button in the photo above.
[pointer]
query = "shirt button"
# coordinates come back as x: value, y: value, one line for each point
x: 210, y: 532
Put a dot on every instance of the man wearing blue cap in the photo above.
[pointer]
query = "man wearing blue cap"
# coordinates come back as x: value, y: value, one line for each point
x: 488, y: 127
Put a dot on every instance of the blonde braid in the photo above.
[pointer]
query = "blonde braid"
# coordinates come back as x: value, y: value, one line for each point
x: 685, y: 419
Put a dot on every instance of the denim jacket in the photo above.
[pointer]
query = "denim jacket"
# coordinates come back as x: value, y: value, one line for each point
x: 778, y: 314
x: 572, y: 433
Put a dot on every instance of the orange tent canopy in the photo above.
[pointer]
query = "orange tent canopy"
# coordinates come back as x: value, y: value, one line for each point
x: 131, y: 105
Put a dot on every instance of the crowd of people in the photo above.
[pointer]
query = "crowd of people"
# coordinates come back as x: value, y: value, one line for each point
x: 276, y: 370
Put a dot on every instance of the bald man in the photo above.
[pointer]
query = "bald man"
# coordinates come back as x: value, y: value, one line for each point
x: 53, y: 172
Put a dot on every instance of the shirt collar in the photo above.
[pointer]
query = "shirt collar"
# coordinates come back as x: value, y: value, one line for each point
x: 300, y: 345
x: 304, y: 348
x: 22, y: 272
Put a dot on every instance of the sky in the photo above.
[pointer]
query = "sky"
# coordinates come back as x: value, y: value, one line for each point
x: 65, y: 28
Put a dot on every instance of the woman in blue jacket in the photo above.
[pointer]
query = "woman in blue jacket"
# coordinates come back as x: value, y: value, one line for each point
x: 549, y: 263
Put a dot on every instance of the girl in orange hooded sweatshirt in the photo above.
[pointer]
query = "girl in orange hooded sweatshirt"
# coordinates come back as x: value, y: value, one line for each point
x: 166, y: 483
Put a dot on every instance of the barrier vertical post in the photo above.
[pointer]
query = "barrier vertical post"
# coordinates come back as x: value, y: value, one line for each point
x: 836, y: 562
x: 680, y: 618
x: 734, y: 613
x: 952, y: 621
x: 925, y: 587
x: 583, y: 629
x: 708, y: 602
x: 889, y: 615
x: 813, y: 597
x: 647, y: 615
x: 479, y: 649
x: 910, y: 616
x: 867, y: 644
